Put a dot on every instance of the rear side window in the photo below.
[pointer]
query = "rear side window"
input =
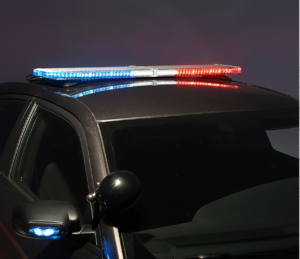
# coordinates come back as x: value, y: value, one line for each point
x: 9, y: 113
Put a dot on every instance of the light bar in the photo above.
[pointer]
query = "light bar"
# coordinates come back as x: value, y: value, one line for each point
x: 109, y: 73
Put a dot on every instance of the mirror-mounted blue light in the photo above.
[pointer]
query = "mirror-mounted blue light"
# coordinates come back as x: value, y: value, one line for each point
x: 44, y: 232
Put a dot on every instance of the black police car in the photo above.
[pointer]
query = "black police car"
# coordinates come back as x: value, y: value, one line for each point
x: 147, y: 162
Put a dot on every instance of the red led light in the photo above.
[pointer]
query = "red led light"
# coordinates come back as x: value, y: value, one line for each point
x: 208, y: 71
x: 192, y: 83
x: 214, y: 70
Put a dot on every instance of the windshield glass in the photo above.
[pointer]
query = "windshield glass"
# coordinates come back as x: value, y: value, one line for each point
x: 219, y: 177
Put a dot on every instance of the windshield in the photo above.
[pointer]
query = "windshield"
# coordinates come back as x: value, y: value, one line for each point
x: 210, y: 177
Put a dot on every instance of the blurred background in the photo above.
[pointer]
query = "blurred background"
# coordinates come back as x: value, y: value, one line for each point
x: 260, y: 36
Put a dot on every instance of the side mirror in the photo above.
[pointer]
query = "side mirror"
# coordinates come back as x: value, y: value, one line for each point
x: 117, y: 192
x: 45, y: 218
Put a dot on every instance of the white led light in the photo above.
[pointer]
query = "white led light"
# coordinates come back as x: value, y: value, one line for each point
x: 167, y: 72
x: 143, y: 73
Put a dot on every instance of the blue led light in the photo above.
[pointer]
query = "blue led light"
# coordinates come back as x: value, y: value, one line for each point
x: 46, y: 232
x: 108, y: 74
x: 49, y: 232
x: 37, y: 231
x: 37, y: 72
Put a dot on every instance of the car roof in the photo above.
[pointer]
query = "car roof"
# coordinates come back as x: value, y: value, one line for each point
x: 127, y: 99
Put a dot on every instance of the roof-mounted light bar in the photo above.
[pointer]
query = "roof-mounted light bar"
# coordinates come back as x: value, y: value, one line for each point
x: 108, y: 73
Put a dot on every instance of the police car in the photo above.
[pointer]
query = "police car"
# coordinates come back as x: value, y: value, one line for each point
x: 147, y: 162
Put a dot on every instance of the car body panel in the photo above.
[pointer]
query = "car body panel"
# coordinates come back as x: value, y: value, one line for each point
x: 129, y: 103
x: 171, y: 100
x: 157, y: 101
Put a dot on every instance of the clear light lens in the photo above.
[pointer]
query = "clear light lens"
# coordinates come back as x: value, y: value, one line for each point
x: 44, y: 231
x: 108, y: 73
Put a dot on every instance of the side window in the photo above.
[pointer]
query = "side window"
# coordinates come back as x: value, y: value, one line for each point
x: 9, y: 113
x: 49, y: 164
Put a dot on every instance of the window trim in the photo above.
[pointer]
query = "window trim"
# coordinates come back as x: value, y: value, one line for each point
x: 69, y: 118
x: 83, y: 142
x: 13, y: 138
x: 13, y: 142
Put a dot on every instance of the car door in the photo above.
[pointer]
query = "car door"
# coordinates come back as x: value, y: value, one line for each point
x: 12, y: 110
x: 45, y: 158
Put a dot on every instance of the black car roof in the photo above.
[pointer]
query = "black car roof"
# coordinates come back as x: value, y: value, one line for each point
x: 156, y: 98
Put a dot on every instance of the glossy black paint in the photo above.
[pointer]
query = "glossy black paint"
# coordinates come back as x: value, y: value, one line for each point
x: 119, y: 191
x: 159, y: 101
x: 172, y: 100
x: 60, y: 214
x: 139, y: 102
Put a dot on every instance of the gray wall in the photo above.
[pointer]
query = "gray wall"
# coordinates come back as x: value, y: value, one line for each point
x: 261, y: 36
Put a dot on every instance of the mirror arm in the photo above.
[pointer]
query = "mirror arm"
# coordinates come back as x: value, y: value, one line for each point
x: 117, y: 192
x: 85, y: 229
x: 94, y: 195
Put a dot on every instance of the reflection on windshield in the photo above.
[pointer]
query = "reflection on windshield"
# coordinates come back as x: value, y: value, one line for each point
x: 185, y: 163
x: 227, y: 226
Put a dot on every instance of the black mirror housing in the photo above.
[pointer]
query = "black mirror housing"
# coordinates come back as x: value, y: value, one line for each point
x: 45, y: 218
x: 119, y: 191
